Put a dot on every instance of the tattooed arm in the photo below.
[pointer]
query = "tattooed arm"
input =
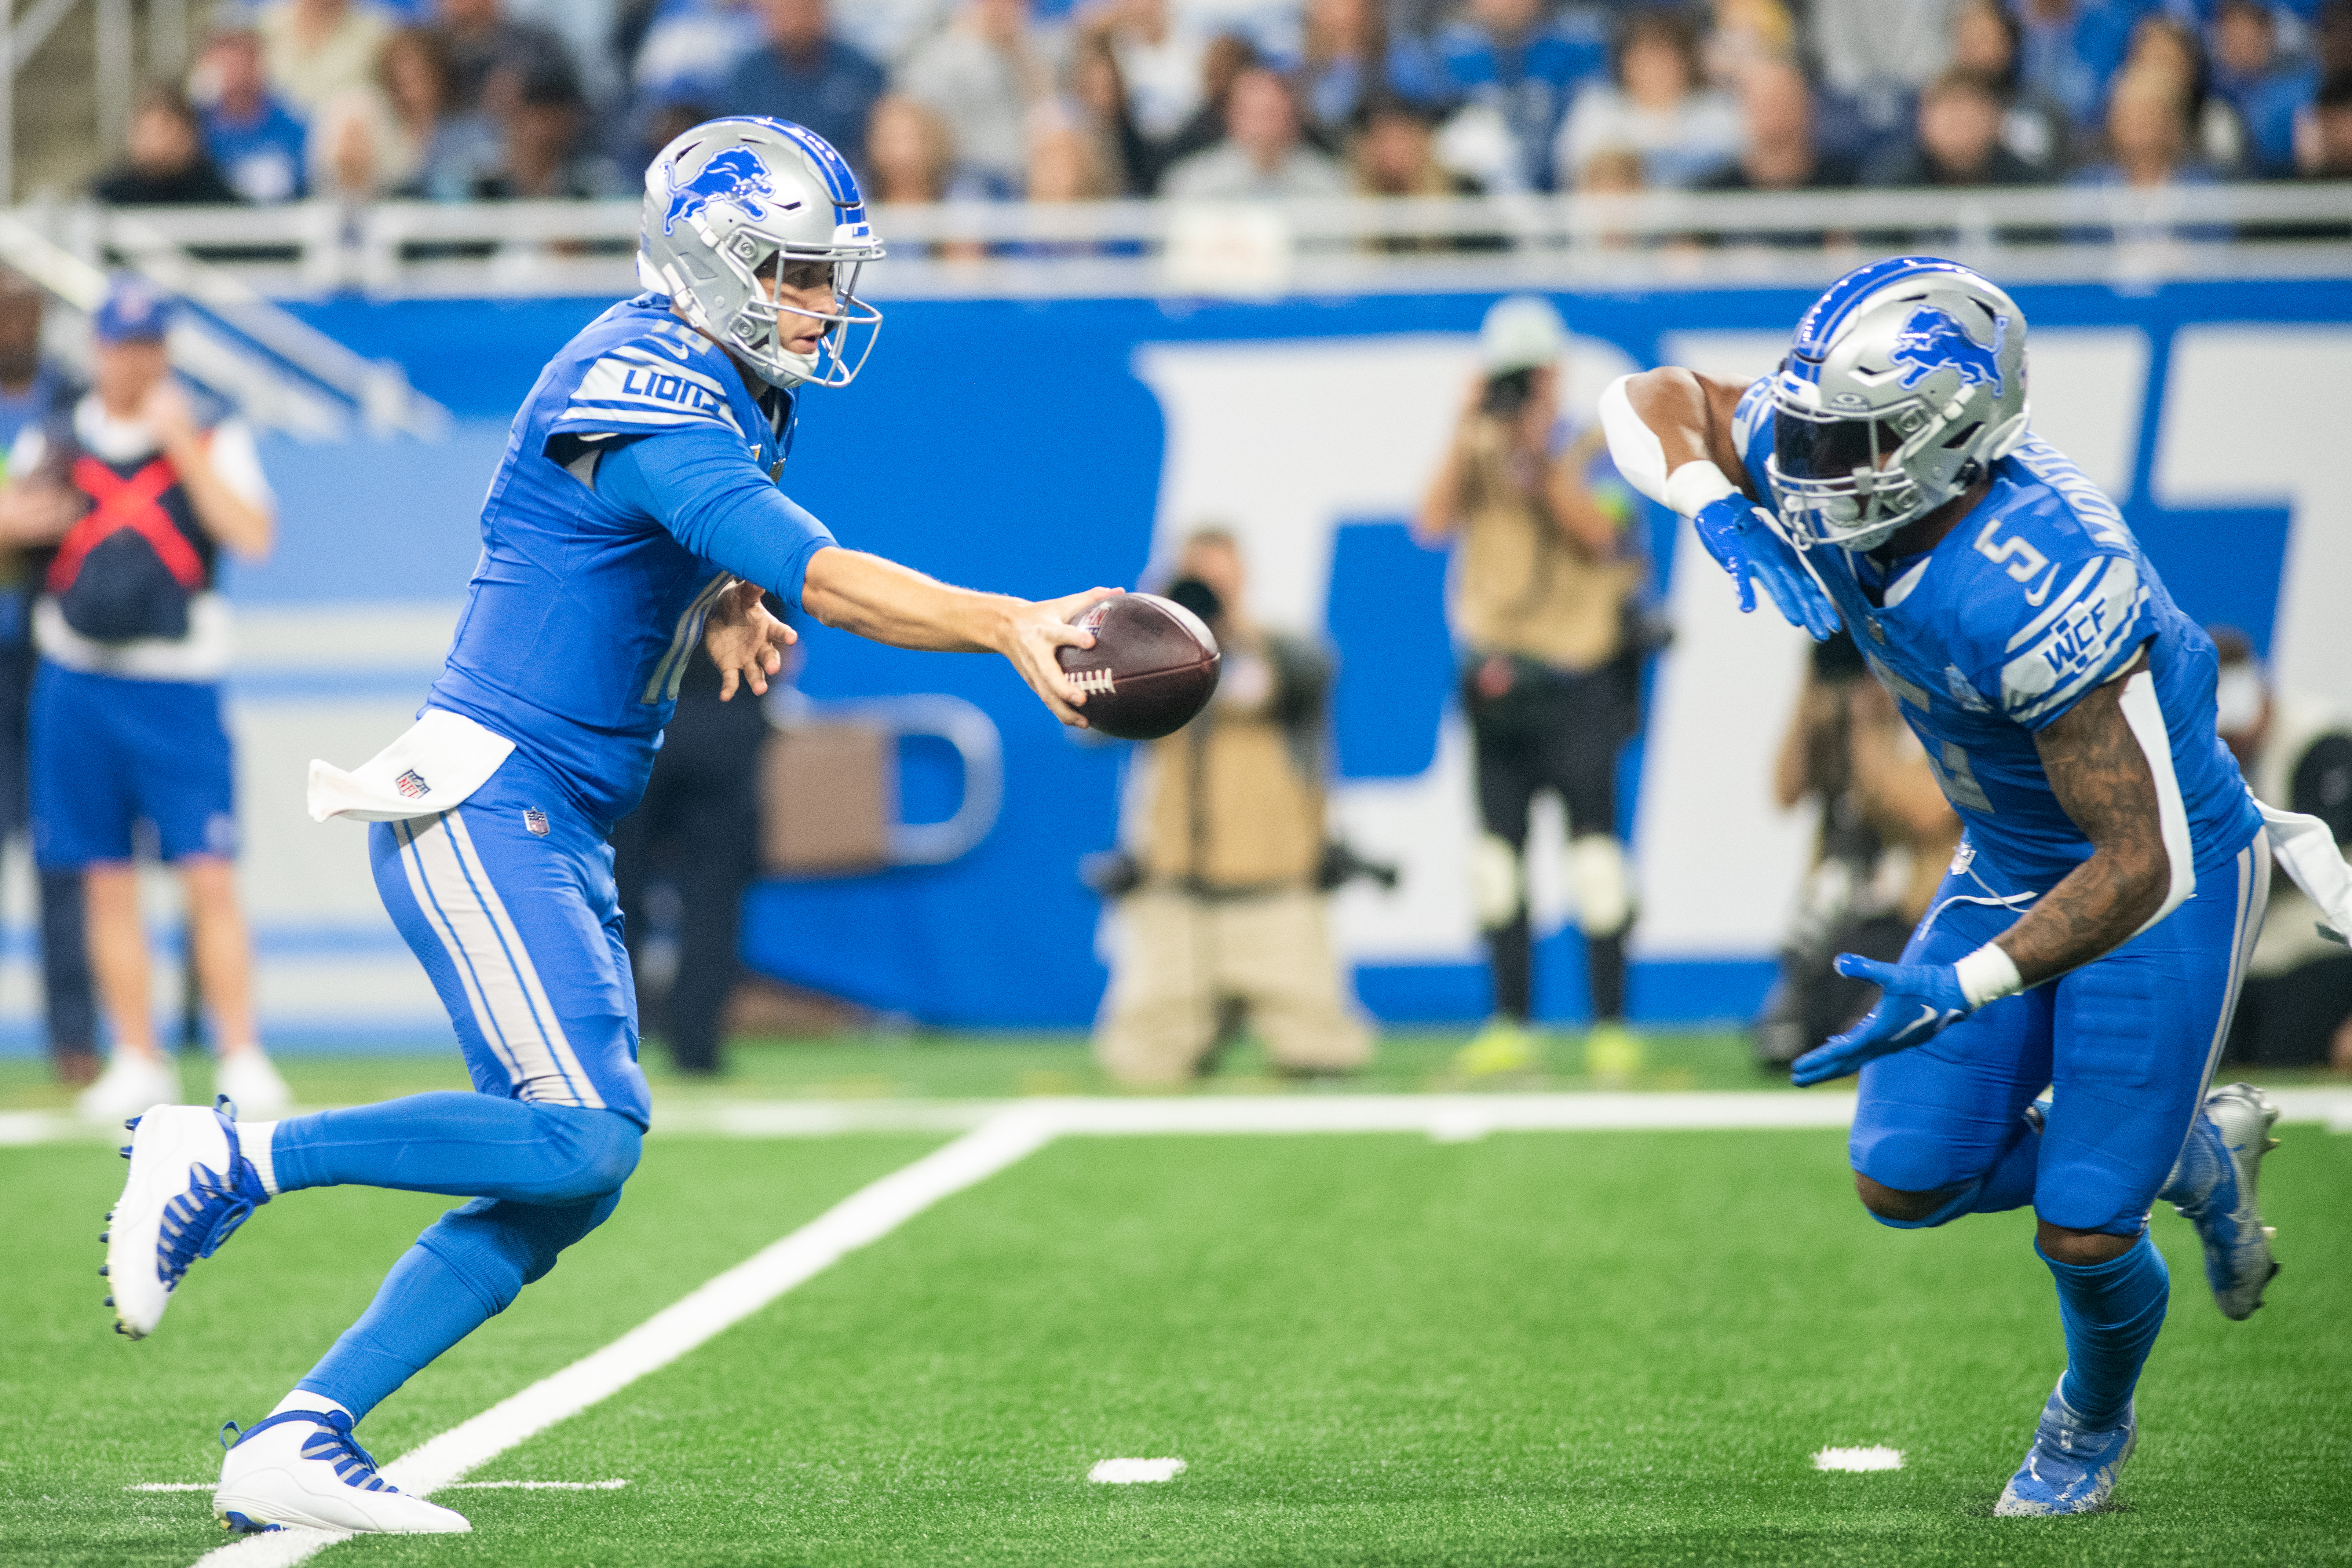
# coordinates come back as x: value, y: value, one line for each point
x: 2101, y: 776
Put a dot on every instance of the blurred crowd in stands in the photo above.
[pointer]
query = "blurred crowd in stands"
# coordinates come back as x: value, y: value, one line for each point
x: 1072, y: 100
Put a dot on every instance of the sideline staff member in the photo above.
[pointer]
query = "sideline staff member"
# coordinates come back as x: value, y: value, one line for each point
x: 134, y: 499
x: 1227, y: 907
x: 1542, y: 592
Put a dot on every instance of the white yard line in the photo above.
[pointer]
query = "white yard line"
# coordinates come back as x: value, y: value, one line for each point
x: 1011, y: 1131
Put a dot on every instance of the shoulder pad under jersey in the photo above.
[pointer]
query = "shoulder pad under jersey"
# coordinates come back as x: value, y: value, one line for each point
x: 664, y: 377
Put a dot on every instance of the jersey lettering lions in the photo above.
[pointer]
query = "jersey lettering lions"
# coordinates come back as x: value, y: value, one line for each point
x: 2039, y: 596
x: 583, y: 610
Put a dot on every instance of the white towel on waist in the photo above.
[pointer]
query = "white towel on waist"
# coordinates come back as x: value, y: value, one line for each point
x: 2304, y: 846
x: 443, y: 758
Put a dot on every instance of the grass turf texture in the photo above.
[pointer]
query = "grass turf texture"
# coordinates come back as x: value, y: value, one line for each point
x: 1530, y: 1348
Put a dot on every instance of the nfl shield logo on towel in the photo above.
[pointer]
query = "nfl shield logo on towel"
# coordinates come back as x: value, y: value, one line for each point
x: 412, y: 785
x: 535, y: 819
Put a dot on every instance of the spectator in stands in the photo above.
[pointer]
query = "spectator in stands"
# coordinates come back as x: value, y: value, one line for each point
x: 982, y: 76
x: 2147, y: 137
x: 1957, y: 142
x: 1986, y: 40
x: 1160, y: 61
x: 1741, y: 34
x: 1348, y: 62
x: 318, y: 50
x: 431, y: 150
x: 909, y: 150
x: 1776, y: 149
x: 481, y: 43
x: 1223, y: 910
x: 1655, y: 103
x: 803, y: 73
x: 254, y: 141
x: 2266, y: 88
x: 1065, y: 164
x: 585, y: 29
x: 2068, y: 52
x: 890, y: 31
x: 686, y: 50
x: 2324, y: 135
x: 1396, y: 155
x: 1222, y: 64
x: 548, y: 157
x: 1261, y: 156
x: 33, y: 391
x: 135, y: 498
x: 1875, y: 55
x: 1099, y: 94
x: 1516, y: 75
x: 164, y: 162
x: 2162, y: 46
x: 352, y: 150
x: 2296, y: 1009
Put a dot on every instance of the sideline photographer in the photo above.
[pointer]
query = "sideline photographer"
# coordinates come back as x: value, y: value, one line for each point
x: 1223, y: 911
x: 1545, y: 603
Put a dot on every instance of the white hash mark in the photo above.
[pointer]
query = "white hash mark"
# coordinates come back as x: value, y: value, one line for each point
x: 1877, y: 1457
x: 1120, y: 1472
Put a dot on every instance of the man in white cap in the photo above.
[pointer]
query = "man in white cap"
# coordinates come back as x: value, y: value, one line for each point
x: 1549, y: 565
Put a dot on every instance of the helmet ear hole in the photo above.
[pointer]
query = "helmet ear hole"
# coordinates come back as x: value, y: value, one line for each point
x: 1964, y: 438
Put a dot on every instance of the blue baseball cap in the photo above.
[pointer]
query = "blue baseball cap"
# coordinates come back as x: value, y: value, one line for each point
x: 135, y: 310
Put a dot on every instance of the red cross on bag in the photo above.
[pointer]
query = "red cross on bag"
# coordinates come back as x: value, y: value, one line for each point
x: 134, y: 503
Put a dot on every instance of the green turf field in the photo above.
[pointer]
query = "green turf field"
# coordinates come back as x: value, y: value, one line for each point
x: 1528, y: 1349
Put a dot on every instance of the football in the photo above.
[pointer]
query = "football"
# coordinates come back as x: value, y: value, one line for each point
x: 1153, y: 668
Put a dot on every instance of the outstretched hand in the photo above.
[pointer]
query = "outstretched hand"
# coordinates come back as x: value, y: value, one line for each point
x: 744, y: 641
x: 1740, y: 536
x: 1917, y: 1003
x: 1032, y: 635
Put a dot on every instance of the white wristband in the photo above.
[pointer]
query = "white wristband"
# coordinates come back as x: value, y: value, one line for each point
x: 1987, y: 975
x: 1695, y: 486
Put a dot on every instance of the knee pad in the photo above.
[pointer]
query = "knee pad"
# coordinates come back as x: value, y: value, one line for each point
x: 1497, y: 890
x: 498, y: 1246
x: 604, y: 1146
x: 1604, y: 888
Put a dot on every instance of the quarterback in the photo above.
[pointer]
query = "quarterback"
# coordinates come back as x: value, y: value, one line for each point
x: 2091, y: 934
x: 635, y: 514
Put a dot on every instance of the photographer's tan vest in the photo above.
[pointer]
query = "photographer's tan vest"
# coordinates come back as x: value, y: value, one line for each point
x: 1520, y: 586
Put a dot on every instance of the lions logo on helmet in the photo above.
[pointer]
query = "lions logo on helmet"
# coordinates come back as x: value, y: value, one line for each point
x: 735, y: 176
x: 1931, y: 340
x: 1889, y: 404
x: 734, y: 206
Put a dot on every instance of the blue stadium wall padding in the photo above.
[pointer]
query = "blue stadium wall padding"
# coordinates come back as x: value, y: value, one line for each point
x: 1012, y: 446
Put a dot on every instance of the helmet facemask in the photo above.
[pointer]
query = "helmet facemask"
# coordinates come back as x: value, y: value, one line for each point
x: 756, y: 332
x: 1853, y: 482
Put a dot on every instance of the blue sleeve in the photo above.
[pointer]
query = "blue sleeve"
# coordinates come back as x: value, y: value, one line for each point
x: 699, y: 485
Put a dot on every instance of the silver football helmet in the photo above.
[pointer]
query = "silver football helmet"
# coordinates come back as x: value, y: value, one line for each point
x: 1905, y: 384
x: 736, y: 195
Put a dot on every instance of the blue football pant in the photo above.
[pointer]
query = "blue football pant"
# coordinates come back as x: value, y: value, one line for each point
x: 2127, y: 1045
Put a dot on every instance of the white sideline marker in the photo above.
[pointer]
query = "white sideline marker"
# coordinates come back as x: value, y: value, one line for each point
x: 1126, y: 1472
x: 1877, y: 1457
x: 171, y: 1486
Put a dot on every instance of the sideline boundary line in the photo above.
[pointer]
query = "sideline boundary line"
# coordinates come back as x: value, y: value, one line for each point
x: 1011, y: 1131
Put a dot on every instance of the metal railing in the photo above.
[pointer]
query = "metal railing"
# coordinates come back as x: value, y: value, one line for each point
x: 1662, y: 239
x: 22, y: 37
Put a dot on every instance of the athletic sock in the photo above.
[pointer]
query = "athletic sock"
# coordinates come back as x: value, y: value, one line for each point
x: 422, y: 1307
x: 304, y: 1399
x: 1510, y: 952
x: 253, y: 1139
x: 2203, y: 1163
x: 2112, y: 1311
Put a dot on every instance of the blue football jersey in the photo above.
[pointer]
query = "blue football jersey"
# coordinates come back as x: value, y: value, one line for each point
x: 582, y: 612
x: 2038, y: 597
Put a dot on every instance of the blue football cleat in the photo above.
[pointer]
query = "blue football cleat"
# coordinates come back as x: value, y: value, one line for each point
x: 2070, y: 1468
x: 2212, y: 1187
x: 189, y: 1188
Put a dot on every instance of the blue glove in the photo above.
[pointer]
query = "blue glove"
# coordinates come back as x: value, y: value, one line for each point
x: 1738, y: 533
x: 1919, y: 1001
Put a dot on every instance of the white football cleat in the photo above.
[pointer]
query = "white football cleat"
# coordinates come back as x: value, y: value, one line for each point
x: 251, y: 1082
x: 132, y: 1082
x: 189, y: 1188
x: 304, y: 1466
x: 2229, y: 1139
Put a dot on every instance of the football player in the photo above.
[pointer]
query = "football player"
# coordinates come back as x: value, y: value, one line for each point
x: 2091, y: 933
x: 635, y: 514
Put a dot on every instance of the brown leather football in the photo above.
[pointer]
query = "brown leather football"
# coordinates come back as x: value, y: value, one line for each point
x: 1153, y: 668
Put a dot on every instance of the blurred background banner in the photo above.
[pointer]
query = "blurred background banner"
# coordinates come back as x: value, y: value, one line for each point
x: 1035, y: 447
